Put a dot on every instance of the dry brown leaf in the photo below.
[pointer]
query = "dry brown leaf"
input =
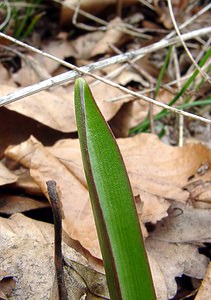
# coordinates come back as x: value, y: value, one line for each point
x: 26, y: 252
x: 152, y: 166
x: 78, y: 221
x: 200, y: 192
x: 6, y: 177
x: 44, y: 107
x: 162, y: 169
x: 113, y: 36
x: 175, y: 240
x: 93, y: 6
x: 91, y: 284
x: 72, y: 160
x: 151, y: 208
x: 204, y: 292
x: 84, y: 44
x: 57, y: 110
x: 158, y: 279
x: 59, y: 48
x: 140, y: 110
x: 22, y: 153
x: 10, y: 204
x: 176, y: 259
x: 121, y: 122
x: 127, y: 76
x: 25, y: 182
x: 31, y: 72
x: 184, y: 224
x: 16, y: 128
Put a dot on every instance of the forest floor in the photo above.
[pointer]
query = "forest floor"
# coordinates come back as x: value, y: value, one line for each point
x: 148, y: 66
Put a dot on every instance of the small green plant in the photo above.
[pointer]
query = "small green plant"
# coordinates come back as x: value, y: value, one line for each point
x: 24, y: 16
x: 122, y: 246
x: 145, y: 125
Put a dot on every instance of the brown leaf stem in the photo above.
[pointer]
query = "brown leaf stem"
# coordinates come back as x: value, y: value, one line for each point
x: 58, y: 257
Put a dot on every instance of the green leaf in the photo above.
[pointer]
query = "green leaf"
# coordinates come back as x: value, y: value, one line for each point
x: 162, y: 72
x: 144, y: 126
x: 125, y: 260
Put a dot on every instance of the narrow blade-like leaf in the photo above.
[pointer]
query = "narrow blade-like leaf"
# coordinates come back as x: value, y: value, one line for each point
x: 126, y: 265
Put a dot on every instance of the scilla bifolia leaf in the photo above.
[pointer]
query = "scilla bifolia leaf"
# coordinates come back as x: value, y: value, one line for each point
x: 126, y: 265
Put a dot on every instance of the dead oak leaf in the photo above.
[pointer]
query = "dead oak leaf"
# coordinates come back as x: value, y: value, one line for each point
x: 153, y: 167
x: 45, y: 165
x: 162, y: 169
x: 68, y: 153
x: 78, y: 220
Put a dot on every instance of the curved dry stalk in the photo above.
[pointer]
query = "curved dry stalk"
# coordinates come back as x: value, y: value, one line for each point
x: 203, y: 74
x: 190, y: 20
x: 8, y: 16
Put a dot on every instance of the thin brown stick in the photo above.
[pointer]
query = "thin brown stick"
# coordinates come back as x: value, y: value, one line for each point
x: 119, y: 8
x: 58, y: 257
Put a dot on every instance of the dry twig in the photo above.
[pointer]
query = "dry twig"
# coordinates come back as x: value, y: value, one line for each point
x: 66, y: 77
x: 203, y: 74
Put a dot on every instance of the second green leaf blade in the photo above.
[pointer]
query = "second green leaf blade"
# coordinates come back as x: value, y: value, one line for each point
x: 119, y: 233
